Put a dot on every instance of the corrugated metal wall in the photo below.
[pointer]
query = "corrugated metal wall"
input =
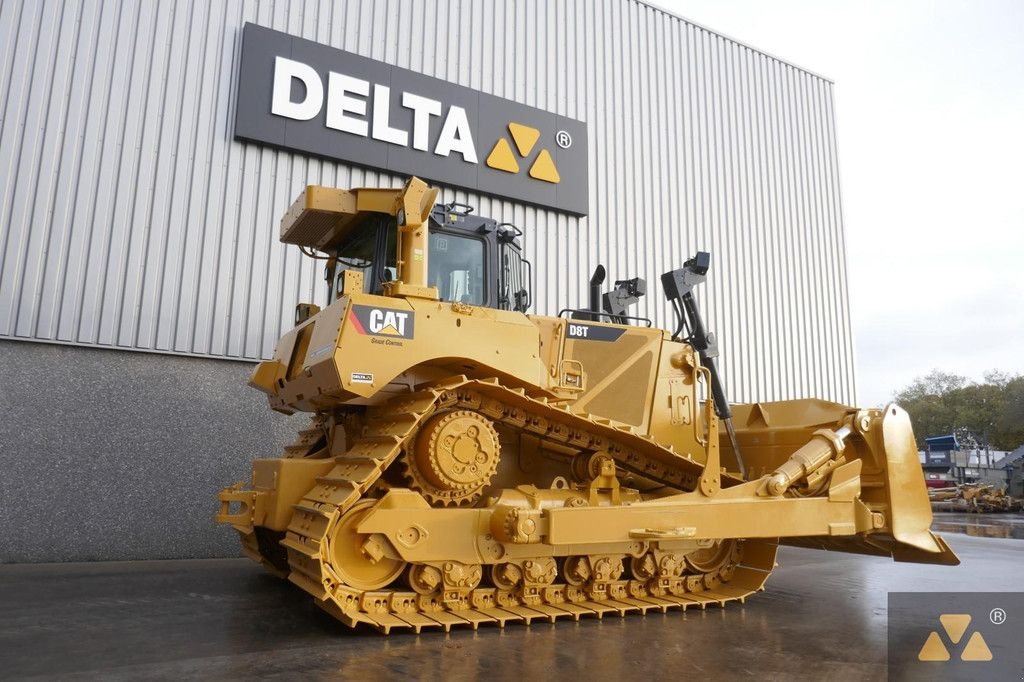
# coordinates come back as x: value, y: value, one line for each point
x: 130, y: 218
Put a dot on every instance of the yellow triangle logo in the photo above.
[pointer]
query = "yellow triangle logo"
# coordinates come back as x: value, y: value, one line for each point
x: 955, y: 625
x: 933, y: 649
x: 524, y: 136
x: 501, y: 157
x: 389, y: 330
x: 976, y: 649
x: 544, y: 168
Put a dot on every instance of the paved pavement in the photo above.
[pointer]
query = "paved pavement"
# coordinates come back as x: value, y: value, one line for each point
x: 823, y: 616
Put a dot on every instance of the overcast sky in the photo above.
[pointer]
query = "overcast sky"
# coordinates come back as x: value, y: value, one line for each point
x: 930, y: 115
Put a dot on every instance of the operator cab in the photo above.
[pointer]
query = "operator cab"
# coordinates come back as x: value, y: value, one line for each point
x: 471, y: 259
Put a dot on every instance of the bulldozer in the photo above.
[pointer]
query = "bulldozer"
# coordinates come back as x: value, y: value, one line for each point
x: 467, y: 462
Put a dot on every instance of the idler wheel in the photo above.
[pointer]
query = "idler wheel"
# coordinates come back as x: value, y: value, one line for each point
x: 709, y: 559
x: 348, y: 558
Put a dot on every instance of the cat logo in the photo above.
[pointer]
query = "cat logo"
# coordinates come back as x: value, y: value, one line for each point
x: 382, y: 321
x: 525, y: 138
x: 955, y: 625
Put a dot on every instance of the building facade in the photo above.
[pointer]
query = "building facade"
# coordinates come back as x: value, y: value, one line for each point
x: 140, y: 274
x: 946, y: 463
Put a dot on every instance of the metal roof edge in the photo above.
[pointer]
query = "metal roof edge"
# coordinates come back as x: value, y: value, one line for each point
x: 741, y: 43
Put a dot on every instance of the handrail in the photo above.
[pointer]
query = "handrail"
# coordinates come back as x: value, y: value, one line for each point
x: 645, y: 320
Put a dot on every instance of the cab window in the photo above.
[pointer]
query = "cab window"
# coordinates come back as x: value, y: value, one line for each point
x: 357, y: 253
x: 456, y: 268
x: 374, y: 242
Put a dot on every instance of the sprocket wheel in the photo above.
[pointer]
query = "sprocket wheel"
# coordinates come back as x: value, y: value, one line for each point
x: 454, y: 457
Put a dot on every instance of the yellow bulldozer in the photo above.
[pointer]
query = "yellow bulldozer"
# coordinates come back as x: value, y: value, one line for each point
x: 468, y: 463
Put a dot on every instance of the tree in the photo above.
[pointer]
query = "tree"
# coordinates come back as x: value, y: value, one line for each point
x: 989, y: 413
x: 976, y: 407
x: 1010, y: 421
x: 937, y: 383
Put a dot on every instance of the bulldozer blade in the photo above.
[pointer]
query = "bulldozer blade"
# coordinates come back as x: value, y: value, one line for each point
x: 910, y: 509
x: 892, y: 482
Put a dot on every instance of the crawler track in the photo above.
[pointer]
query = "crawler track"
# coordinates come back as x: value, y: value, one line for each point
x: 389, y: 426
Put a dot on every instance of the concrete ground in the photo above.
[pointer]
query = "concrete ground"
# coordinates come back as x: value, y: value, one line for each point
x: 823, y: 616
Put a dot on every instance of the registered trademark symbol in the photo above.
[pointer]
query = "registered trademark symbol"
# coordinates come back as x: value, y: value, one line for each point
x: 563, y: 139
x: 997, y: 616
